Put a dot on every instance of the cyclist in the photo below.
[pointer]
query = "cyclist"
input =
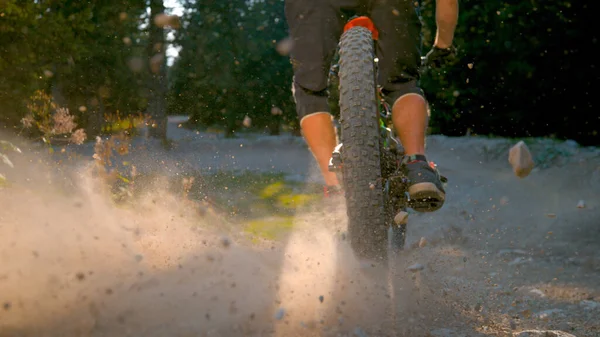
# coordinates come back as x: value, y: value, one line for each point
x: 315, y: 28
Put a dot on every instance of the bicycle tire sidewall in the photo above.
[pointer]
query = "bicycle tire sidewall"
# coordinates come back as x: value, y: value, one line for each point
x: 359, y: 121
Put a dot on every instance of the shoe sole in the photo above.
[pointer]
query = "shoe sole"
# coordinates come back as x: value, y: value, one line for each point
x: 426, y: 197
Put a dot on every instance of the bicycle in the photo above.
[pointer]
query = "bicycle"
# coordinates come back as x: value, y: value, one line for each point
x: 369, y: 157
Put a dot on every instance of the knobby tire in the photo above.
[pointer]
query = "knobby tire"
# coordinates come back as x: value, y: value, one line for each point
x: 360, y: 134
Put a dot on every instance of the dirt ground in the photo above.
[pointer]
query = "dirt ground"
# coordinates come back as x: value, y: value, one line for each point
x: 503, y: 256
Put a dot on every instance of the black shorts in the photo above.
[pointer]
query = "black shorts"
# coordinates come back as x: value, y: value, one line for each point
x: 315, y: 28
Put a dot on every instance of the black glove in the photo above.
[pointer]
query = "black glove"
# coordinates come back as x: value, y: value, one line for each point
x: 439, y: 57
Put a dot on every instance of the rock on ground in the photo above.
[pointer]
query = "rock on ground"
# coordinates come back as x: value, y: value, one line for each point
x: 521, y: 160
x: 444, y: 333
x: 543, y: 333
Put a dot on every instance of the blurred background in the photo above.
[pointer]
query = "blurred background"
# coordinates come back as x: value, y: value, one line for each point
x: 524, y: 68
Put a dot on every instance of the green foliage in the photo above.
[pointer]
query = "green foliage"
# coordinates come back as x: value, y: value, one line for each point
x: 520, y: 71
x: 49, y: 122
x: 229, y: 67
x: 86, y: 53
x: 117, y: 175
x: 523, y: 67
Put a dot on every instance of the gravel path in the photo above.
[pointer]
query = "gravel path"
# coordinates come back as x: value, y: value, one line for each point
x: 504, y: 257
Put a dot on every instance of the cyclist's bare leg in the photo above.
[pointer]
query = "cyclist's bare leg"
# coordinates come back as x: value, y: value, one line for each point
x: 315, y: 27
x: 410, y: 118
x: 398, y: 50
x: 320, y: 135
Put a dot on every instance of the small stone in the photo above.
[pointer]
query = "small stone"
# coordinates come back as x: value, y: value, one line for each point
x: 526, y: 313
x: 284, y: 46
x: 161, y: 20
x: 225, y: 242
x: 503, y: 252
x: 416, y: 267
x: 548, y: 313
x: 590, y: 305
x: 537, y: 292
x: 358, y: 332
x: 321, y: 298
x: 571, y: 143
x: 422, y: 242
x: 521, y: 160
x: 581, y: 204
x: 543, y: 333
x: 564, y: 326
x: 444, y: 332
x: 80, y: 276
x: 519, y: 261
x: 247, y: 122
x: 279, y: 314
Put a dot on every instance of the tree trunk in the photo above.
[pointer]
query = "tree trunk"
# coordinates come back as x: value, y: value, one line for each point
x: 274, y: 126
x: 57, y: 89
x: 95, y: 117
x: 157, y: 102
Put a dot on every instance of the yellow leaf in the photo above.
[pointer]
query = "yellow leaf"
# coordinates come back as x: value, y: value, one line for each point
x: 271, y: 190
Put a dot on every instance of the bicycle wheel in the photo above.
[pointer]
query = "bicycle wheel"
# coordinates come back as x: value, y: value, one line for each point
x: 359, y: 121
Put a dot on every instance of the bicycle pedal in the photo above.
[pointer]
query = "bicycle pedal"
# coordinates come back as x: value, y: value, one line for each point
x: 334, y: 168
x: 335, y: 162
x: 426, y: 205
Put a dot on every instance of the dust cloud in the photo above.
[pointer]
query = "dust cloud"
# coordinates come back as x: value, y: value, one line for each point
x: 73, y: 263
x: 504, y: 256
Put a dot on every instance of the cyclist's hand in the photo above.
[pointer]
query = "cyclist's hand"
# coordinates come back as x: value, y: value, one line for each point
x: 439, y: 57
